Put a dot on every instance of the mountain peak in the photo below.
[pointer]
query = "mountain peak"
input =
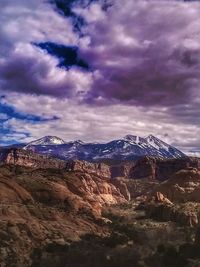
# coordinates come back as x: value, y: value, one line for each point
x: 130, y: 137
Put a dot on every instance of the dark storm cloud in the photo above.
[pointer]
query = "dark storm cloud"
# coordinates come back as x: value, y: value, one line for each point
x: 152, y: 83
x: 150, y: 56
x: 65, y: 7
x: 30, y: 74
x: 27, y: 74
x: 141, y: 52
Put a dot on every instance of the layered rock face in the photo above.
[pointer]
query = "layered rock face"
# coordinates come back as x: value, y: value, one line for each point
x: 48, y: 208
x: 59, y: 186
x: 95, y: 176
x: 45, y: 210
x: 152, y: 169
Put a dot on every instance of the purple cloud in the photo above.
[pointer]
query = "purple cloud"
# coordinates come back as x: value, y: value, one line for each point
x: 146, y: 52
x: 145, y: 69
x: 142, y: 52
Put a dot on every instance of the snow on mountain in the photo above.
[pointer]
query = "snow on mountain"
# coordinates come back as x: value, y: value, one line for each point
x: 129, y: 147
x: 164, y: 147
x: 157, y: 143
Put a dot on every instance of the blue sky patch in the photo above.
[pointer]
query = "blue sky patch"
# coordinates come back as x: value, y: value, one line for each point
x: 12, y: 113
x: 67, y: 55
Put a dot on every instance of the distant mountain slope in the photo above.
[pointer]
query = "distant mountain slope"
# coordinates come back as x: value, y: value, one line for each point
x: 129, y: 147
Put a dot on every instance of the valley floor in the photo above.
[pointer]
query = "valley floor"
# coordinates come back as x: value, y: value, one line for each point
x: 132, y: 240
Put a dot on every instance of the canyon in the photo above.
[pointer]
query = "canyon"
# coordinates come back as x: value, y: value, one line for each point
x: 56, y: 212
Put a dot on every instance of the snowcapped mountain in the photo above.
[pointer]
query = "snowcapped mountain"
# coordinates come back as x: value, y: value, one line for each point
x: 129, y: 147
x: 47, y: 140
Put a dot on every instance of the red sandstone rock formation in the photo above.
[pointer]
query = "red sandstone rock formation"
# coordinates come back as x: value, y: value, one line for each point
x: 20, y: 157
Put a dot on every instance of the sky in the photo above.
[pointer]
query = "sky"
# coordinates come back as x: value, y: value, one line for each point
x: 97, y: 70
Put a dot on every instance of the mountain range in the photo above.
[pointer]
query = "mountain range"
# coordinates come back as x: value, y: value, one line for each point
x: 130, y: 147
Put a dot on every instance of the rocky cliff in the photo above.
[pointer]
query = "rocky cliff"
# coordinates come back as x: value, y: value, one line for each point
x: 100, y: 169
x: 183, y: 186
x: 20, y: 157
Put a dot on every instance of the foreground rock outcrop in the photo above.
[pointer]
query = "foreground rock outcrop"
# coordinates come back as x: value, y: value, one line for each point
x: 49, y: 208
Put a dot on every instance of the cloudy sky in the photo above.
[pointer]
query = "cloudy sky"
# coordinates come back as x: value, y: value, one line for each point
x: 100, y: 69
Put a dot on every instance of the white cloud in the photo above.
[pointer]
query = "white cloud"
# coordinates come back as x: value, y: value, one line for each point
x: 98, y: 123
